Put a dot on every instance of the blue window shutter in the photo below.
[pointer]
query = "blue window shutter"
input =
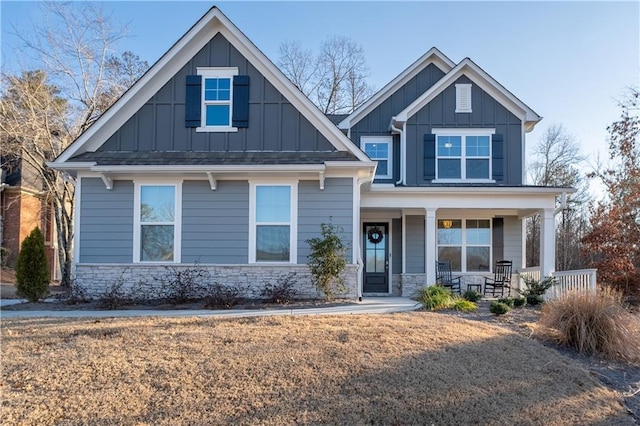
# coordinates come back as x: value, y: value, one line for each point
x: 193, y: 112
x: 429, y: 156
x: 498, y: 238
x: 240, y: 116
x: 497, y: 157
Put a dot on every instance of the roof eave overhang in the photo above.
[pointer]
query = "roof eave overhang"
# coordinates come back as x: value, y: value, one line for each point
x: 476, y: 74
x: 464, y: 190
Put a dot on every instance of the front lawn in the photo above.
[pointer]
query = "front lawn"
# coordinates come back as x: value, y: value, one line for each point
x: 411, y: 368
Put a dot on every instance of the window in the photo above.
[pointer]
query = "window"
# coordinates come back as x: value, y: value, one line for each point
x: 156, y: 221
x: 466, y: 244
x: 463, y: 155
x: 379, y: 148
x: 272, y: 232
x: 217, y: 95
x: 463, y: 98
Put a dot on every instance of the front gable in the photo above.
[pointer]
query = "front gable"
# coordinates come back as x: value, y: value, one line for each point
x: 274, y: 124
x: 150, y: 117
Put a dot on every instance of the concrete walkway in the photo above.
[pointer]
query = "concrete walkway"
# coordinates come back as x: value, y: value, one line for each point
x: 369, y: 305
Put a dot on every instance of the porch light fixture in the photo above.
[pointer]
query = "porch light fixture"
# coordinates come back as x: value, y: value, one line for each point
x: 447, y: 224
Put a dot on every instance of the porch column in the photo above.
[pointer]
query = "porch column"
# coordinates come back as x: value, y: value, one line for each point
x: 547, y: 243
x: 430, y: 245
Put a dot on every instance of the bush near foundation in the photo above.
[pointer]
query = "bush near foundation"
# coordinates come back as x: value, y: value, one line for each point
x: 594, y: 323
x: 32, y: 273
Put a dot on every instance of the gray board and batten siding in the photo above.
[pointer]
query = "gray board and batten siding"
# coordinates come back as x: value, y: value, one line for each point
x: 215, y: 224
x: 486, y: 113
x: 274, y: 123
x: 376, y: 123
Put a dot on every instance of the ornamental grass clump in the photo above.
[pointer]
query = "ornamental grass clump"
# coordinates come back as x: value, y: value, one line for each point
x: 472, y: 296
x: 594, y: 323
x: 463, y: 305
x: 435, y: 297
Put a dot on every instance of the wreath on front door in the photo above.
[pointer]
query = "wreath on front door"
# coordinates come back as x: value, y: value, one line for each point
x: 375, y: 235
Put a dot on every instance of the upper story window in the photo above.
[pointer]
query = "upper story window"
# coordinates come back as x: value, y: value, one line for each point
x: 463, y: 154
x: 272, y: 233
x: 157, y: 223
x: 463, y: 98
x: 217, y: 98
x: 380, y: 149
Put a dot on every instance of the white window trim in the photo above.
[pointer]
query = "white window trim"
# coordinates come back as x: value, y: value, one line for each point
x: 216, y: 72
x: 293, y: 219
x: 177, y: 223
x: 463, y: 246
x: 381, y: 139
x: 462, y: 89
x: 463, y: 163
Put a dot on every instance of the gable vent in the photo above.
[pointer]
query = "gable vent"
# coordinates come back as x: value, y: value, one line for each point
x: 463, y: 98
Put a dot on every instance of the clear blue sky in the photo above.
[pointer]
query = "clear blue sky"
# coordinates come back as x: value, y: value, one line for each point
x: 569, y: 61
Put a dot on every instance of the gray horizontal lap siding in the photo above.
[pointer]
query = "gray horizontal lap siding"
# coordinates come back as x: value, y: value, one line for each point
x: 334, y: 205
x: 274, y: 124
x: 415, y: 244
x: 215, y: 224
x: 486, y: 113
x: 106, y: 222
x: 376, y: 123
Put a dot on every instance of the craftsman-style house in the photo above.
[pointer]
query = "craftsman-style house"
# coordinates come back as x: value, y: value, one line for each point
x: 214, y: 157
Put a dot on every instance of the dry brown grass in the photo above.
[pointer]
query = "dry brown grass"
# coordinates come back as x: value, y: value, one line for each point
x: 594, y: 323
x: 412, y: 368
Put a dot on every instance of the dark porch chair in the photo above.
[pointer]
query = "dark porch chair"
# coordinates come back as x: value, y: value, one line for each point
x: 445, y: 278
x: 501, y: 279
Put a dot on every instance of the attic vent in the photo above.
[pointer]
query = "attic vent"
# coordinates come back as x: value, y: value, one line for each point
x: 463, y: 98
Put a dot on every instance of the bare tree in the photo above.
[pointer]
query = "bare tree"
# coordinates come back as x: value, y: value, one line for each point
x: 557, y: 163
x: 43, y: 111
x: 336, y: 80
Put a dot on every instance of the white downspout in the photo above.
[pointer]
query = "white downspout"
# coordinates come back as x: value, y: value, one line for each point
x: 401, y: 132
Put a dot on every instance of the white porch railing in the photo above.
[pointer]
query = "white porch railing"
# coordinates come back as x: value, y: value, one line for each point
x: 579, y: 280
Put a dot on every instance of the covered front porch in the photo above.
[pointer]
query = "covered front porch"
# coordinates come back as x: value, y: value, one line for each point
x: 404, y: 231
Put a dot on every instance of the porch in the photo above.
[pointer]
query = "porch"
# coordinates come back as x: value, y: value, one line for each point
x: 404, y: 231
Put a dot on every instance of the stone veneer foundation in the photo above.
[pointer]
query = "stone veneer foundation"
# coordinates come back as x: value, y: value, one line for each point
x: 145, y: 279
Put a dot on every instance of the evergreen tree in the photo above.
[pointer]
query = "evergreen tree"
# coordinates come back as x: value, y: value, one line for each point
x: 32, y: 273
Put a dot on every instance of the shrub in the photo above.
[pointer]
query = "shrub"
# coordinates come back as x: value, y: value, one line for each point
x: 32, y: 274
x: 222, y: 296
x: 283, y: 292
x: 74, y: 294
x: 507, y: 301
x: 328, y: 261
x: 115, y: 296
x: 498, y: 308
x: 472, y: 296
x: 435, y: 297
x: 463, y: 305
x: 183, y: 285
x: 519, y: 301
x: 594, y: 323
x: 4, y: 256
x: 535, y: 289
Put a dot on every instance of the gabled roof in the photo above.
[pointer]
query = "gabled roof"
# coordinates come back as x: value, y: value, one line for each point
x: 212, y: 23
x: 433, y: 56
x: 483, y: 80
